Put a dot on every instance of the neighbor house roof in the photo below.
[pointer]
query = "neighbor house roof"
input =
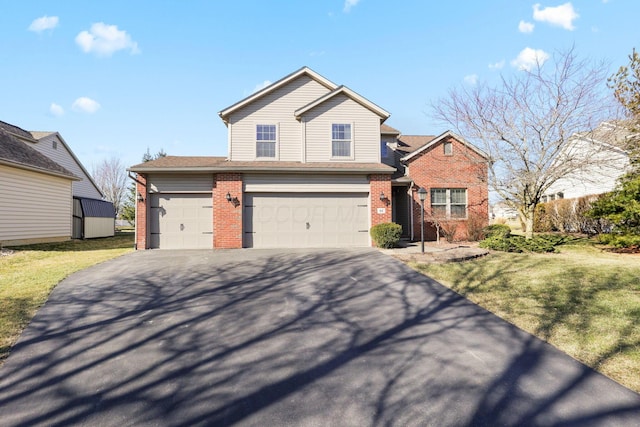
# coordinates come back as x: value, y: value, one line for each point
x: 388, y: 130
x: 438, y: 139
x: 220, y: 164
x: 16, y: 131
x: 18, y: 154
x: 343, y: 90
x: 224, y: 114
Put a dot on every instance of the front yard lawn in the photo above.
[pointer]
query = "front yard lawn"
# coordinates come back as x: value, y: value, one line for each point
x: 29, y: 273
x: 584, y: 301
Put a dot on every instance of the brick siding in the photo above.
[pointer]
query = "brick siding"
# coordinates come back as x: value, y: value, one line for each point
x: 380, y: 184
x: 227, y: 216
x: 463, y: 169
x: 141, y: 212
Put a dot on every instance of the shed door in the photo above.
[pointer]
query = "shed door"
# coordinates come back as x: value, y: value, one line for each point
x: 294, y: 220
x: 181, y: 221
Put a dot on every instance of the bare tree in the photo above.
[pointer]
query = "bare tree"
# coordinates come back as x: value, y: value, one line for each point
x: 525, y: 124
x: 111, y: 176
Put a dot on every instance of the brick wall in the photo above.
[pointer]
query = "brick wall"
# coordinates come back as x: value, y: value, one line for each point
x: 380, y: 184
x: 227, y: 216
x: 463, y: 169
x: 141, y: 212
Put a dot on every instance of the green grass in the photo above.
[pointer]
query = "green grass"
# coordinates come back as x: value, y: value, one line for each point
x: 584, y: 301
x: 29, y: 274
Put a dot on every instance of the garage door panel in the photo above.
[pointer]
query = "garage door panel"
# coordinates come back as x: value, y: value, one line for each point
x: 181, y: 221
x: 282, y: 220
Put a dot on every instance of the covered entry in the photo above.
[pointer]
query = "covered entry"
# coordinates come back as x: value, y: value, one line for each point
x: 306, y: 220
x: 181, y: 221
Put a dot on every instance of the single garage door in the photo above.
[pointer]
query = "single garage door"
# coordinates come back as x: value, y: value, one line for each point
x: 294, y: 220
x: 181, y: 221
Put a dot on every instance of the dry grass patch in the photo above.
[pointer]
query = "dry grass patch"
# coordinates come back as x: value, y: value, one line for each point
x: 584, y: 301
x: 29, y: 273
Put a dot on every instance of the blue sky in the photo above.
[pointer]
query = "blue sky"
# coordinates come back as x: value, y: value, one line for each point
x: 117, y: 77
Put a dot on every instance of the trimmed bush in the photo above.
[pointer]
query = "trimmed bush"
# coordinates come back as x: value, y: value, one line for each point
x: 496, y: 230
x: 540, y: 244
x: 621, y: 241
x: 386, y: 235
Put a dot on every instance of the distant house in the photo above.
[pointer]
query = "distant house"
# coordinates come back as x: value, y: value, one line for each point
x: 504, y: 211
x: 90, y: 216
x: 35, y: 193
x: 310, y: 164
x: 607, y: 145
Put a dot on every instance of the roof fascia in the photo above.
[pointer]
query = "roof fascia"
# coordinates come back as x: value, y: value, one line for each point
x: 263, y: 169
x: 224, y: 114
x: 35, y: 169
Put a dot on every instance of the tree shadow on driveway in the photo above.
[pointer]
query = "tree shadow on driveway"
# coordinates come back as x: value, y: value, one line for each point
x: 252, y: 337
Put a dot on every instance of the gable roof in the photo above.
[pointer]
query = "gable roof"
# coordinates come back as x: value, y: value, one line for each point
x: 439, y: 138
x: 18, y: 154
x: 224, y: 114
x: 39, y: 135
x: 343, y: 90
x: 16, y: 131
x: 388, y: 130
x: 410, y: 143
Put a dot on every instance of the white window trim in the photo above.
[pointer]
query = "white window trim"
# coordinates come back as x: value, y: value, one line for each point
x: 448, y: 203
x: 351, y: 155
x: 444, y: 151
x: 255, y: 142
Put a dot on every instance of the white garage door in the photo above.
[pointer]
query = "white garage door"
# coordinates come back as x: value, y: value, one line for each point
x: 294, y: 220
x: 181, y: 221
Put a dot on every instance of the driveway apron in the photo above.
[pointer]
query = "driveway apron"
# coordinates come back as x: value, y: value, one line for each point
x: 287, y: 338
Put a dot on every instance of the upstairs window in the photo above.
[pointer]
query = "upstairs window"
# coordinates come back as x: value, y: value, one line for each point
x: 266, y: 141
x: 340, y: 140
x: 449, y: 203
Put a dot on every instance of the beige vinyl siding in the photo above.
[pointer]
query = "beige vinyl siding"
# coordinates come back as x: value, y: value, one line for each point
x: 299, y: 183
x: 62, y: 156
x: 33, y: 206
x: 274, y: 108
x: 98, y: 227
x: 341, y: 109
x: 181, y: 183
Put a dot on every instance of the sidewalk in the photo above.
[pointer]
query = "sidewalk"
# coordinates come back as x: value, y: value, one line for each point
x: 436, y: 252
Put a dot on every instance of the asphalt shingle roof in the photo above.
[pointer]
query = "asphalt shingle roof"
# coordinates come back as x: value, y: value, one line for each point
x: 18, y: 153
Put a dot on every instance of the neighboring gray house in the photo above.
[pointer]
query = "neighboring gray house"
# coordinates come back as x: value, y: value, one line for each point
x: 35, y: 193
x: 607, y: 144
x: 90, y: 216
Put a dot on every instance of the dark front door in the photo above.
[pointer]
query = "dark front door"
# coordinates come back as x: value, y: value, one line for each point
x: 401, y: 209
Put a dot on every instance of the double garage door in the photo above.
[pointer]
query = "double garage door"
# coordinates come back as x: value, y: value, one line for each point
x: 270, y: 220
x: 310, y: 220
x: 181, y: 221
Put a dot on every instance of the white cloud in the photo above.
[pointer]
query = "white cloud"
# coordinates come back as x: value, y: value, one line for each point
x: 43, y: 23
x: 317, y: 53
x: 525, y: 27
x: 104, y: 40
x: 529, y: 58
x: 348, y: 4
x: 471, y: 79
x: 261, y: 86
x: 560, y: 16
x: 56, y: 109
x: 85, y: 105
x: 497, y: 65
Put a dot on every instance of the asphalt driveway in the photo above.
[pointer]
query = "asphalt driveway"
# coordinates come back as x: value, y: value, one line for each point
x: 268, y: 338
